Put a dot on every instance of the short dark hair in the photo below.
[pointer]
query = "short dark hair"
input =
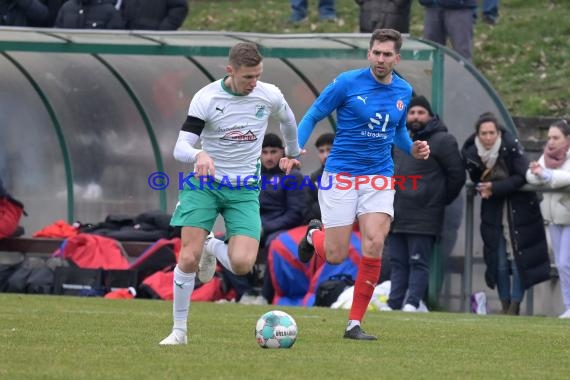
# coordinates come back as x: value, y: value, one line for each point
x: 485, y: 118
x: 245, y: 54
x: 324, y: 139
x: 563, y: 126
x: 383, y: 35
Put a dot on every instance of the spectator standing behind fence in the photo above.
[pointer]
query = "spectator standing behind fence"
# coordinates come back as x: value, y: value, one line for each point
x: 553, y: 171
x: 300, y: 11
x: 512, y: 227
x: 419, y: 212
x: 451, y: 19
x: 323, y: 144
x: 384, y: 14
x: 89, y: 14
x: 154, y: 14
x: 23, y: 12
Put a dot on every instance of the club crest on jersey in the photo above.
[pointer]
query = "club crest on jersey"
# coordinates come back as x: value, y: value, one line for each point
x: 260, y: 111
x: 400, y: 105
x: 240, y: 137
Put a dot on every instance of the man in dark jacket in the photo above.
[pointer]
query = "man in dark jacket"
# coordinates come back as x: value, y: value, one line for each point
x: 89, y: 14
x: 419, y: 212
x: 23, y: 12
x: 154, y: 14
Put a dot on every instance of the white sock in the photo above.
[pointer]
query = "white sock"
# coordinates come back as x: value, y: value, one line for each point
x: 183, y: 285
x: 351, y: 324
x: 310, y: 236
x: 220, y: 249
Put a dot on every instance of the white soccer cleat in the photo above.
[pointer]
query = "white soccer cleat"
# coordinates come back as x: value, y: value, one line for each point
x: 408, y: 308
x: 207, y: 264
x: 385, y: 308
x: 176, y: 337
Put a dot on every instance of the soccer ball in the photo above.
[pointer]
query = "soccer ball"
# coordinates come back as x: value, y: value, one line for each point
x: 276, y: 329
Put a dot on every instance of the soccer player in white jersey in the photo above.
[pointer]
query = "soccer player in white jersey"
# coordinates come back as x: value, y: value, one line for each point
x: 371, y: 116
x: 229, y: 117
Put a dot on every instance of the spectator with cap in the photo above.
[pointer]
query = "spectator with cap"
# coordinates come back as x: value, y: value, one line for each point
x: 419, y: 212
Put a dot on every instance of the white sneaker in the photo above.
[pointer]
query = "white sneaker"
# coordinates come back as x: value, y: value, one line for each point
x: 207, y: 264
x: 408, y: 308
x: 385, y: 308
x: 175, y: 337
x: 247, y: 299
x: 565, y: 315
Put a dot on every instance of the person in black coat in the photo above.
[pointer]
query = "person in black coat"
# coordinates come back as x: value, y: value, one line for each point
x: 512, y: 227
x: 324, y: 145
x: 89, y: 14
x: 23, y: 12
x: 154, y: 14
x: 419, y: 212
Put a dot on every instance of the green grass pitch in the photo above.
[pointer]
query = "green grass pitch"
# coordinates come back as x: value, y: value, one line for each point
x: 49, y: 337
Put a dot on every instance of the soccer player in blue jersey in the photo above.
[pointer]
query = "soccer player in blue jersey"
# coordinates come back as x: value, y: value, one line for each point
x: 371, y: 106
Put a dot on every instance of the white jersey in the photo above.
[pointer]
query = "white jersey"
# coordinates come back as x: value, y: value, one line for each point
x: 235, y: 126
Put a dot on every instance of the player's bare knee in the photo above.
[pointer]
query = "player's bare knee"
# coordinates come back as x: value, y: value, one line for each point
x: 188, y: 261
x: 241, y: 268
x: 335, y: 256
x: 373, y: 246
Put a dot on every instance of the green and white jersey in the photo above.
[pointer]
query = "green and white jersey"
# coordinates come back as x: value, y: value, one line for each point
x: 235, y: 126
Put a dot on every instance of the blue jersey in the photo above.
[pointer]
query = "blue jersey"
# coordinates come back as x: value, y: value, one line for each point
x: 371, y: 116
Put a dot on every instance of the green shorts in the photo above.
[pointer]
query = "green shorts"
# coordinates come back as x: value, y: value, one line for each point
x: 200, y: 206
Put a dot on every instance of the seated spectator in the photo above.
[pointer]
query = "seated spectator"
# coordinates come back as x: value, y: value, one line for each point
x: 11, y: 211
x: 89, y: 14
x: 154, y: 14
x: 23, y: 12
x: 281, y: 208
x: 323, y: 144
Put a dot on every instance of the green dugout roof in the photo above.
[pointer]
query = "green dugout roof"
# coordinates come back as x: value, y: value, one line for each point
x: 87, y: 116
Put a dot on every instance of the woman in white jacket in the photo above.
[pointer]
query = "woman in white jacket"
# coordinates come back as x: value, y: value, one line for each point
x: 553, y: 171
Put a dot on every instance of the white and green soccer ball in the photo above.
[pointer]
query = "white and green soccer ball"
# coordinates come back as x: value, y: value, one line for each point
x: 276, y: 329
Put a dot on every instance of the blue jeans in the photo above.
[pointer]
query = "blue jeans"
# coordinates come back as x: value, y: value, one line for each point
x: 504, y: 269
x: 300, y: 9
x: 491, y: 8
x: 409, y: 267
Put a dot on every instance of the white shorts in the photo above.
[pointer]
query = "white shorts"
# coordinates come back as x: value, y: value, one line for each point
x: 342, y: 201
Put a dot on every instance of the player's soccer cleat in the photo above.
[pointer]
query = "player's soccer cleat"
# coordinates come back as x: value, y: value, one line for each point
x: 306, y: 250
x: 207, y: 264
x: 175, y: 337
x: 358, y: 334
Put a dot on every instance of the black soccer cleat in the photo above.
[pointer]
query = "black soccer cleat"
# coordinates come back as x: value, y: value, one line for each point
x: 306, y: 250
x: 357, y: 333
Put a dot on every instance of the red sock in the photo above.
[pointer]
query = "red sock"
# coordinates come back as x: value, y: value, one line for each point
x: 368, y: 275
x: 319, y: 244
